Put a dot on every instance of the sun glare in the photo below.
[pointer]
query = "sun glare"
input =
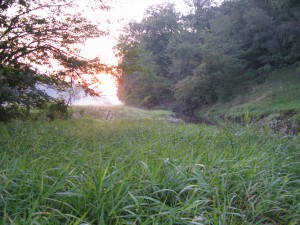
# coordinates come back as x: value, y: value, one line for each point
x: 107, y: 87
x: 102, y: 48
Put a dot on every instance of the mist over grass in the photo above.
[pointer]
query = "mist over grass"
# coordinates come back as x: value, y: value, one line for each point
x: 142, y: 170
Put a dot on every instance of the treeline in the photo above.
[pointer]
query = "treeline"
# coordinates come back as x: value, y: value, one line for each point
x: 189, y: 61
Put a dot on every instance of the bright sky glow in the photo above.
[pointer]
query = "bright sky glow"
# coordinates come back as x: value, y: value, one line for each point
x: 108, y: 95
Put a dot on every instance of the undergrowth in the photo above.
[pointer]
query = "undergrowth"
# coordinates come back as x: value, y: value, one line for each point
x: 122, y: 171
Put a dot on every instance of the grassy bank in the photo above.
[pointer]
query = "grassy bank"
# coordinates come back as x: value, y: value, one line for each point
x: 279, y: 92
x: 142, y: 170
x: 273, y: 101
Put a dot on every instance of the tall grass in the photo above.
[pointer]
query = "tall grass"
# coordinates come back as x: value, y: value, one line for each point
x: 146, y: 171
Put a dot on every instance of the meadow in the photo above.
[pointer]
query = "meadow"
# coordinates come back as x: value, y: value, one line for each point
x: 116, y: 166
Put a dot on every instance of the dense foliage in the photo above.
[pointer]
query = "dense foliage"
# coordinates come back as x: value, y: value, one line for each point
x: 37, y: 47
x: 209, y: 55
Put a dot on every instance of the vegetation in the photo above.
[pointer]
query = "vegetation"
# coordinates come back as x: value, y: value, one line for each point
x: 145, y: 171
x: 278, y: 93
x: 122, y: 165
x: 38, y: 47
x: 274, y: 103
x: 119, y: 112
x: 210, y: 55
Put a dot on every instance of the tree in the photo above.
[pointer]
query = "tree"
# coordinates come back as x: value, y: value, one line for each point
x: 202, y: 12
x: 38, y: 46
x: 159, y: 25
x: 144, y: 57
x: 136, y: 83
x: 208, y: 55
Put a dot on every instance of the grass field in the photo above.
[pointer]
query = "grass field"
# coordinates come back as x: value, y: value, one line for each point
x: 131, y: 169
x: 280, y: 92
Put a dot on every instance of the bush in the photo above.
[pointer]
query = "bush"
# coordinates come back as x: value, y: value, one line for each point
x: 57, y: 110
x: 13, y: 111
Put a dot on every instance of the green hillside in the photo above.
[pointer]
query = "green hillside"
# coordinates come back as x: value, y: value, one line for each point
x: 279, y: 92
x: 278, y: 96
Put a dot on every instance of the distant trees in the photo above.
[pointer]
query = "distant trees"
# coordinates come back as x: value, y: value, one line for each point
x: 209, y: 55
x: 144, y: 50
x: 37, y: 46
